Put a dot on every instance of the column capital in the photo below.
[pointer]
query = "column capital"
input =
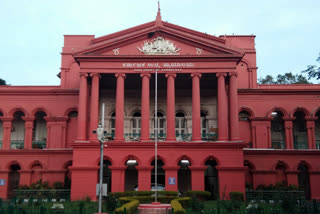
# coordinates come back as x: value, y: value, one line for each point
x: 233, y: 74
x: 123, y: 75
x: 311, y: 118
x: 6, y: 119
x: 145, y: 75
x: 171, y: 167
x: 221, y: 74
x: 196, y: 74
x: 171, y: 74
x: 84, y: 75
x: 95, y: 74
x: 288, y: 118
x: 28, y: 119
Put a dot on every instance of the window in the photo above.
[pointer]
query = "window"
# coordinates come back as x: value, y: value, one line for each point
x: 161, y: 123
x: 204, y: 124
x: 180, y: 124
x: 136, y: 123
x: 113, y: 123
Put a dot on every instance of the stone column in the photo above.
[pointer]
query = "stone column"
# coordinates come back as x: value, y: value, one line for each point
x: 196, y: 119
x: 233, y: 107
x: 145, y: 107
x: 94, y: 106
x: 144, y: 177
x: 197, y: 177
x: 171, y: 117
x: 82, y: 114
x: 119, y: 106
x: 310, y: 130
x: 171, y: 172
x: 7, y: 126
x: 222, y: 106
x: 288, y: 127
x: 28, y: 126
x: 118, y: 178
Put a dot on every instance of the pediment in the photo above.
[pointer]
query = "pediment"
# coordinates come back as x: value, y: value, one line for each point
x: 166, y: 39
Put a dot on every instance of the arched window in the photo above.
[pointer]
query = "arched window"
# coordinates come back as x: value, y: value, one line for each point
x: 204, y: 124
x: 17, y: 131
x: 278, y: 131
x: 72, y: 128
x: 300, y: 137
x: 180, y: 125
x: 136, y: 124
x: 39, y: 132
x: 113, y: 123
x: 317, y: 130
x: 245, y: 127
x: 161, y: 124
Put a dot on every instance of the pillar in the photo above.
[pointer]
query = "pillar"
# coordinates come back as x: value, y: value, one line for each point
x: 118, y: 178
x: 82, y: 114
x: 196, y: 119
x: 144, y: 177
x: 233, y: 107
x: 310, y: 131
x: 197, y: 177
x: 145, y: 107
x: 94, y: 106
x: 288, y: 127
x: 171, y: 117
x: 222, y: 106
x: 119, y: 106
x: 28, y: 125
x: 171, y: 172
x: 7, y: 126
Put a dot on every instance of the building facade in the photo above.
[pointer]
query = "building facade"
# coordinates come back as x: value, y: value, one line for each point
x: 217, y: 128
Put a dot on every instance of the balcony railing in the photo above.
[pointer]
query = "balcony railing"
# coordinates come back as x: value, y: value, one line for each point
x: 278, y: 144
x: 39, y: 144
x: 300, y: 145
x: 17, y: 144
x: 209, y: 136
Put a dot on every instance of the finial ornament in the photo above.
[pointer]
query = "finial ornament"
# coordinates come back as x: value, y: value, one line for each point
x: 158, y: 19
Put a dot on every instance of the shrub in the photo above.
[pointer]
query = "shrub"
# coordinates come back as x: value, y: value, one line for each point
x: 177, y: 208
x: 185, y: 201
x: 168, y: 193
x: 58, y: 185
x: 111, y: 203
x: 236, y: 196
x: 130, y: 207
x: 202, y: 195
x: 196, y: 204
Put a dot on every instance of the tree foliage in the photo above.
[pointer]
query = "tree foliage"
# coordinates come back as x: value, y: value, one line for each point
x: 313, y: 71
x: 287, y: 78
x: 2, y: 82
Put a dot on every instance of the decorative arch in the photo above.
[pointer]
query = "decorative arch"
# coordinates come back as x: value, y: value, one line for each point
x: 67, y: 112
x: 159, y: 157
x: 130, y: 157
x: 247, y: 109
x: 36, y: 162
x: 181, y: 111
x: 184, y: 157
x: 104, y: 158
x: 68, y: 163
x: 280, y: 162
x: 39, y: 109
x: 136, y: 110
x: 3, y: 112
x: 299, y: 108
x: 210, y: 157
x: 314, y: 112
x: 245, y: 62
x: 70, y: 63
x: 160, y: 111
x: 277, y: 108
x: 12, y: 111
x: 13, y: 162
x: 304, y: 163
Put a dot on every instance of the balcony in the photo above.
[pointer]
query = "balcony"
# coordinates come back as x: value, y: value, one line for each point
x: 17, y: 144
x: 300, y: 145
x: 278, y: 144
x: 39, y: 144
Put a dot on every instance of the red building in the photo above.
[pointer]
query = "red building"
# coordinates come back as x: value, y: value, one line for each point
x: 217, y: 128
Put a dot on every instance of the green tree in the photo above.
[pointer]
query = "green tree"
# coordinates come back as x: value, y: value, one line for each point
x: 2, y: 82
x: 313, y: 71
x: 287, y: 78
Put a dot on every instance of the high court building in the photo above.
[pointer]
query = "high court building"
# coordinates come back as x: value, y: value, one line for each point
x: 217, y: 128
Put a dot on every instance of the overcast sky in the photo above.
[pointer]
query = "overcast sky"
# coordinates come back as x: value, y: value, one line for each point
x: 287, y: 32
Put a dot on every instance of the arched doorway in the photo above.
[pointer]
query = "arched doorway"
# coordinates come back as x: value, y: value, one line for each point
x: 67, y: 175
x: 278, y: 140
x: 131, y: 175
x: 184, y: 176
x: 300, y: 137
x: 106, y: 177
x: 13, y: 180
x: 211, y: 179
x: 281, y: 173
x: 72, y: 127
x: 248, y: 175
x: 39, y: 132
x: 160, y: 172
x: 303, y: 179
x: 17, y: 131
x: 36, y: 172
